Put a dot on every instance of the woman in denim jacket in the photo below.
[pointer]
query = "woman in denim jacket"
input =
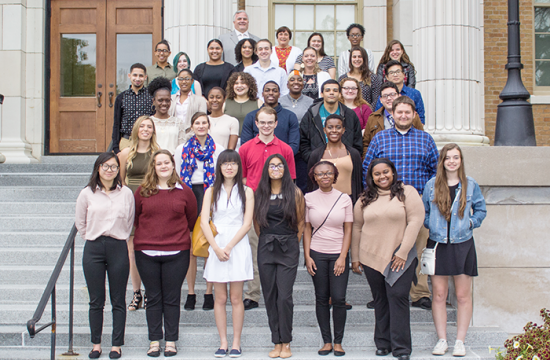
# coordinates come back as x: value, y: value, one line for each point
x: 454, y: 207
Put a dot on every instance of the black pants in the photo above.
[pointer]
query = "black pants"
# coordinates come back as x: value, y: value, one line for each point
x: 277, y: 275
x: 106, y: 255
x: 391, y: 310
x: 327, y: 285
x: 163, y: 277
x: 198, y: 191
x: 301, y: 172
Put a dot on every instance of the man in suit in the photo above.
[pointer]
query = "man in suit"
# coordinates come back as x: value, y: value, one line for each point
x: 230, y: 39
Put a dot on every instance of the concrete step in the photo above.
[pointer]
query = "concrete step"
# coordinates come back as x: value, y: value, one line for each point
x: 36, y: 222
x: 30, y: 239
x: 58, y: 169
x: 254, y: 337
x: 39, y: 193
x: 44, y: 179
x: 36, y: 208
x: 71, y: 160
x: 203, y: 353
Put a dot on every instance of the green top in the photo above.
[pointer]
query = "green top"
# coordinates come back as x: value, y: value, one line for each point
x: 239, y: 110
x: 136, y: 173
x: 155, y: 71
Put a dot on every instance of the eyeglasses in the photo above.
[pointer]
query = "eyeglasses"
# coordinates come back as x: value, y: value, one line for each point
x: 229, y: 164
x: 266, y: 123
x: 185, y: 79
x: 350, y: 88
x: 322, y: 175
x: 276, y: 167
x: 388, y: 96
x: 396, y: 72
x: 106, y: 167
x: 163, y: 51
x: 355, y: 36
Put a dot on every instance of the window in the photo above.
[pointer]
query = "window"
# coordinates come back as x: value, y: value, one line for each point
x: 542, y: 44
x: 330, y: 18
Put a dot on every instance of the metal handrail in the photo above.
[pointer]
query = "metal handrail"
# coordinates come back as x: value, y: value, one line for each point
x: 49, y: 292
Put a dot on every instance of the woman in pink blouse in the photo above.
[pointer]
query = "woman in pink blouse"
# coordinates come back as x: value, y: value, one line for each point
x: 104, y: 218
x: 327, y: 237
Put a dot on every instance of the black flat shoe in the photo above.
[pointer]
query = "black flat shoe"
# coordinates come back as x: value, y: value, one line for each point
x: 250, y: 304
x: 339, y: 353
x: 115, y: 354
x: 190, y: 302
x: 370, y: 305
x: 94, y: 354
x: 423, y: 303
x: 403, y: 357
x: 208, y: 302
x: 324, y: 352
x: 382, y: 352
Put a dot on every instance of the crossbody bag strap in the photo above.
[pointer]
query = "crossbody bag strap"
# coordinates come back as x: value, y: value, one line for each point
x: 323, y: 223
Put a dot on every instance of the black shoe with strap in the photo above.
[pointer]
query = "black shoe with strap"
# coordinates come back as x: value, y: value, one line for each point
x: 136, y: 301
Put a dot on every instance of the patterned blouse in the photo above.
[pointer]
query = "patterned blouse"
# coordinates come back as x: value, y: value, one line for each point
x: 371, y: 92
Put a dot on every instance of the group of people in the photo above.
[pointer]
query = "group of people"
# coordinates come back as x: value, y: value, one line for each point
x: 269, y: 152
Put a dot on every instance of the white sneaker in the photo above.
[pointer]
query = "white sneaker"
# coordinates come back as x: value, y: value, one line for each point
x: 459, y: 349
x: 441, y: 347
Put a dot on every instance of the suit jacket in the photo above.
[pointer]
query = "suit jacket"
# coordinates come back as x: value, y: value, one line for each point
x: 229, y: 41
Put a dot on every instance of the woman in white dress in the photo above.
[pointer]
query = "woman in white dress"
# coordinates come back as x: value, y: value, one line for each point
x: 230, y: 257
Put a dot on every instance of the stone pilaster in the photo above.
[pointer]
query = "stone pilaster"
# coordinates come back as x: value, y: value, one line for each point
x: 448, y: 38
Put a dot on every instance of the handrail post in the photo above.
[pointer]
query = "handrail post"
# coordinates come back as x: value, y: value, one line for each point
x: 70, y: 351
x: 52, y: 350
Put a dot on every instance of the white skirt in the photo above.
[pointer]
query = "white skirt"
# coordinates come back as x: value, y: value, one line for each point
x: 239, y: 267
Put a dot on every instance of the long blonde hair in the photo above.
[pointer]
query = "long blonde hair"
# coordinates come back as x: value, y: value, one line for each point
x: 149, y: 186
x: 134, y: 140
x: 442, y: 196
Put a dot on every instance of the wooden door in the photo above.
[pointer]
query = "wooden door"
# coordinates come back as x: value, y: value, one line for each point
x: 93, y: 45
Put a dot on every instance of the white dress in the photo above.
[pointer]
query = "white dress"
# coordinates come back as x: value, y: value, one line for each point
x: 228, y: 218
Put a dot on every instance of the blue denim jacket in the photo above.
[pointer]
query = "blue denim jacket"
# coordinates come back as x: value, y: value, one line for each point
x: 461, y: 229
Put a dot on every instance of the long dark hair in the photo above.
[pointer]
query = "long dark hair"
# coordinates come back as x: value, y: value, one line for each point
x: 371, y: 191
x: 263, y: 195
x: 95, y: 181
x: 322, y: 49
x: 228, y: 156
x: 364, y: 68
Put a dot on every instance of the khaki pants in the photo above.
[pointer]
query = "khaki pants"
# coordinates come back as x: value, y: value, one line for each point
x: 124, y: 143
x: 421, y: 289
x: 254, y: 291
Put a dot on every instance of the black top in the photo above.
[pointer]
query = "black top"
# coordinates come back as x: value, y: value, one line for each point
x: 210, y: 76
x: 452, y: 192
x: 278, y: 225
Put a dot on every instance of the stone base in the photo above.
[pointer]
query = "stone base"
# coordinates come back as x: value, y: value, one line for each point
x: 460, y: 139
x: 2, y: 158
x: 17, y: 153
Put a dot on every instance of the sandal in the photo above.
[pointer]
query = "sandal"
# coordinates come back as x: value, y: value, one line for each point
x: 154, y: 349
x: 136, y: 301
x: 144, y: 301
x: 170, y: 349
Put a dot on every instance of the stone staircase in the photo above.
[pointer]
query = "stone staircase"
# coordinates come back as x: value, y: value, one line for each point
x: 37, y: 204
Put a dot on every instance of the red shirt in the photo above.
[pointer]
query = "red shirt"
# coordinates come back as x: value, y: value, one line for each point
x: 255, y: 152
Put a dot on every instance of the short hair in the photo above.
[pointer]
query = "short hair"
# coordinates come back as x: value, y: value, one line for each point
x: 403, y: 100
x: 239, y: 47
x: 138, y: 66
x: 387, y: 85
x: 163, y: 42
x: 271, y: 82
x: 284, y: 29
x: 160, y: 83
x: 187, y: 71
x: 264, y: 40
x: 295, y: 73
x: 355, y: 25
x: 391, y: 63
x: 197, y: 115
x: 177, y: 59
x: 333, y: 82
x: 239, y: 12
x: 248, y: 79
x: 216, y: 41
x: 311, y: 173
x: 267, y: 110
x: 334, y: 116
x: 217, y: 88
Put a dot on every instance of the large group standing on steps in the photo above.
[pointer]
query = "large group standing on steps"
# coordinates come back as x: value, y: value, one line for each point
x: 239, y: 141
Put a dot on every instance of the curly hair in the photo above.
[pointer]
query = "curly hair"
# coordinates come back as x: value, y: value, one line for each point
x: 239, y: 47
x: 160, y: 83
x: 248, y: 80
x: 370, y: 194
x: 149, y: 185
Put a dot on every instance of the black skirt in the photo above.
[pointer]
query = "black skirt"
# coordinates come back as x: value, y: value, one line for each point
x: 455, y: 259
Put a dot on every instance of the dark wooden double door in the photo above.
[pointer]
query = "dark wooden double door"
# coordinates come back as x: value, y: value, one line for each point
x: 93, y: 45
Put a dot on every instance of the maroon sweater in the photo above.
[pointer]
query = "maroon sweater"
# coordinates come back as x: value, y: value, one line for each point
x: 164, y: 221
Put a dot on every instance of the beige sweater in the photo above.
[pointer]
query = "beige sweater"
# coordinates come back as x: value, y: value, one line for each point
x: 383, y: 225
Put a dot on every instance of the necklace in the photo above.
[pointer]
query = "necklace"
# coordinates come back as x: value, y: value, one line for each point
x: 294, y: 102
x: 332, y: 157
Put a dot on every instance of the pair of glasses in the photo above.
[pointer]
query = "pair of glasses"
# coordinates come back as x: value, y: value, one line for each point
x: 163, y: 51
x: 106, y: 167
x: 396, y: 72
x: 185, y: 79
x: 355, y: 36
x: 388, y: 96
x: 276, y: 167
x: 266, y: 123
x: 350, y: 88
x: 326, y: 174
x: 229, y: 164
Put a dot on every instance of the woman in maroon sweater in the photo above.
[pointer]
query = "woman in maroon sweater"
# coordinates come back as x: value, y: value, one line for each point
x: 166, y: 212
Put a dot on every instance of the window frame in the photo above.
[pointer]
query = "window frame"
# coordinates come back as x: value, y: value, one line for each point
x: 538, y: 90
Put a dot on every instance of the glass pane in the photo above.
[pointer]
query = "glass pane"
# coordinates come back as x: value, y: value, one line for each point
x: 131, y: 49
x: 324, y: 19
x: 342, y: 42
x: 345, y: 14
x: 78, y: 64
x: 329, y: 43
x: 284, y: 16
x: 542, y: 19
x: 300, y: 39
x: 304, y: 17
x: 542, y: 46
x: 543, y: 1
x: 542, y: 73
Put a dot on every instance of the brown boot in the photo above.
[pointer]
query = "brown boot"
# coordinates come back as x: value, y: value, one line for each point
x: 276, y: 351
x: 285, y: 352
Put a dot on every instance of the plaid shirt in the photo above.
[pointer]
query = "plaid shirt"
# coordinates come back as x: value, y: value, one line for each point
x: 414, y: 155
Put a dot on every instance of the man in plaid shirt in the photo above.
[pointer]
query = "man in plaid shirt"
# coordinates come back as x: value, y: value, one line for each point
x: 414, y: 155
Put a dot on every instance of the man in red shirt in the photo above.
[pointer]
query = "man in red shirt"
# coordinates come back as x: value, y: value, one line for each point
x: 253, y: 154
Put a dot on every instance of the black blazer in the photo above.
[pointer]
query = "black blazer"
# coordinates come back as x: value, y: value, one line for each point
x: 356, y: 174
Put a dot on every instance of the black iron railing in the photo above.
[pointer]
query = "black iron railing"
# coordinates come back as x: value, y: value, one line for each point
x: 49, y: 294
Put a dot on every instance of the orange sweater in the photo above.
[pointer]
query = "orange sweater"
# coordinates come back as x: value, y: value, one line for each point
x: 383, y: 225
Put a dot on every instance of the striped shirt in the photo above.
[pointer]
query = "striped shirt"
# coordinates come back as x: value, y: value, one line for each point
x: 325, y: 64
x: 414, y: 155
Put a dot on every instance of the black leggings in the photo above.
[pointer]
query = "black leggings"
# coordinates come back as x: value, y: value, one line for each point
x: 163, y: 277
x: 327, y: 285
x: 106, y: 255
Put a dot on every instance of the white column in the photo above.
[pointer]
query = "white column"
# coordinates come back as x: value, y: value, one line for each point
x: 259, y: 15
x: 189, y: 25
x: 22, y: 53
x: 373, y: 17
x: 403, y: 26
x: 447, y: 38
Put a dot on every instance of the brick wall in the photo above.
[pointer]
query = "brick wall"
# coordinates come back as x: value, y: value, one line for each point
x: 389, y: 20
x: 496, y: 51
